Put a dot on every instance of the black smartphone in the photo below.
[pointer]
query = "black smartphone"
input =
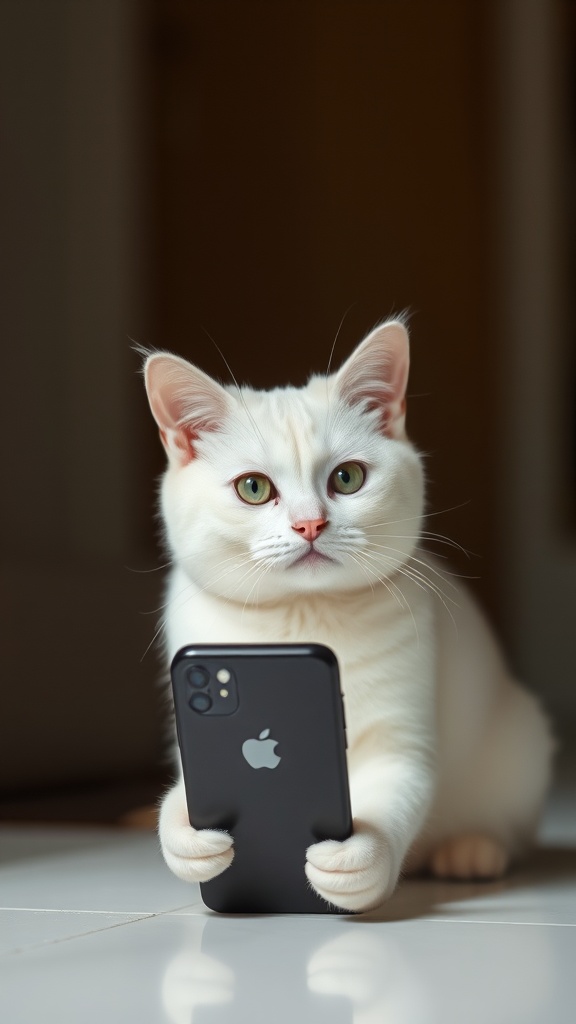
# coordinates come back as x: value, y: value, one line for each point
x: 262, y: 736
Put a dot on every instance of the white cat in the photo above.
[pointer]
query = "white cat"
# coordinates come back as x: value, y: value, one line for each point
x: 295, y: 515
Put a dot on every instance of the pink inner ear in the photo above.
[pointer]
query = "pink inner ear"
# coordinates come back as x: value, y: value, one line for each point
x: 387, y: 399
x: 182, y: 439
x: 185, y: 439
x: 376, y: 375
x: 181, y: 442
x: 391, y: 416
x: 185, y: 402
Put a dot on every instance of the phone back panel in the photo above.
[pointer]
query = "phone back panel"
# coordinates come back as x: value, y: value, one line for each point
x: 289, y: 708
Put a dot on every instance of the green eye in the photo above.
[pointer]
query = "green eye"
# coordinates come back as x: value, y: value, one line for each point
x: 347, y: 478
x: 255, y: 489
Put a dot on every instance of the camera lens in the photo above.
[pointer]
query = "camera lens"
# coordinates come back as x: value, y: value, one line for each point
x: 198, y: 677
x: 200, y: 702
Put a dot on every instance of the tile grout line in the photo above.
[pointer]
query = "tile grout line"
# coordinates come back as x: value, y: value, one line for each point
x: 22, y: 950
x: 471, y: 920
x: 195, y: 910
x: 134, y: 918
x: 58, y: 910
x: 140, y: 914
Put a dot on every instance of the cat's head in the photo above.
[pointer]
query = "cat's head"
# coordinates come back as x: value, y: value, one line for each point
x: 276, y: 493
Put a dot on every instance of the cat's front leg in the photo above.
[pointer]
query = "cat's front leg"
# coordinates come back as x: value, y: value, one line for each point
x: 390, y: 795
x: 193, y: 855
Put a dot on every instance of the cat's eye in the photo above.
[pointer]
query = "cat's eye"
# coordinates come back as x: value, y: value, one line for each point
x: 255, y: 488
x: 347, y: 478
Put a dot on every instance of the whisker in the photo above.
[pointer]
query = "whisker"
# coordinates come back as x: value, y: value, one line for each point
x: 157, y: 568
x: 360, y: 566
x: 392, y: 587
x: 417, y: 573
x: 419, y: 561
x: 427, y: 535
x: 392, y: 536
x: 423, y: 582
x: 440, y: 538
x: 251, y: 571
x: 238, y: 388
x: 424, y: 515
x: 264, y: 569
x: 244, y: 577
x: 193, y: 583
x: 197, y: 591
x: 384, y: 580
x: 206, y: 548
x: 336, y: 338
x: 158, y: 632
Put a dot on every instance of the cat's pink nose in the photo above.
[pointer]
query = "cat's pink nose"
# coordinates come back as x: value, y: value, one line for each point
x: 310, y: 528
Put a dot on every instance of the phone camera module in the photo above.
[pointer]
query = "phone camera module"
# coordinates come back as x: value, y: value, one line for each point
x: 200, y: 702
x: 198, y: 677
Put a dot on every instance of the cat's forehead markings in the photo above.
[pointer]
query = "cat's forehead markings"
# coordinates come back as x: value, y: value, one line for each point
x: 293, y: 423
x: 301, y: 427
x: 283, y: 409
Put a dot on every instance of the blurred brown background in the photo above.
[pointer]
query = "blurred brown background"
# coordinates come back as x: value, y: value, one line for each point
x: 258, y: 171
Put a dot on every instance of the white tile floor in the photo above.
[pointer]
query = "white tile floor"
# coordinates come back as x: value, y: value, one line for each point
x: 95, y: 930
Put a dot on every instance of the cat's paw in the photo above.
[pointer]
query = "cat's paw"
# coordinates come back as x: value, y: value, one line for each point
x: 355, y: 874
x: 468, y: 857
x: 197, y: 856
x: 193, y: 855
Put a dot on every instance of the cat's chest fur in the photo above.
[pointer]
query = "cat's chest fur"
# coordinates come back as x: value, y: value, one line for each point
x: 384, y: 639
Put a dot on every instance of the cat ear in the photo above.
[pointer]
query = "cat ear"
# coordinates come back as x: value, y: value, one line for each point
x: 184, y: 402
x: 376, y: 374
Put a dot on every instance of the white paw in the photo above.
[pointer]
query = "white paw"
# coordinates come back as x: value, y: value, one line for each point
x: 193, y: 855
x: 467, y: 857
x: 354, y: 874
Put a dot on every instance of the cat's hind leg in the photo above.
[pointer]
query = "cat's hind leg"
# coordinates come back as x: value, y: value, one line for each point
x: 487, y: 806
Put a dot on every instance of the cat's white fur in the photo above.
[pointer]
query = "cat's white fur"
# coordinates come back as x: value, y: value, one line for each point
x: 449, y: 759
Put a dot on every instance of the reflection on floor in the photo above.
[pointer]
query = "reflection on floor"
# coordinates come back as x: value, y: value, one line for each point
x: 94, y: 929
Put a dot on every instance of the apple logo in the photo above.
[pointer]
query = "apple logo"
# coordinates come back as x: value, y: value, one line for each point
x: 260, y: 753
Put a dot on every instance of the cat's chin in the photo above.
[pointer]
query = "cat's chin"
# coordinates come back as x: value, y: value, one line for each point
x: 312, y: 559
x: 316, y: 573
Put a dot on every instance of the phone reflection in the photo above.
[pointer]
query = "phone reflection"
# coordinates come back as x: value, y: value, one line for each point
x: 286, y: 969
x: 502, y: 974
x: 246, y: 970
